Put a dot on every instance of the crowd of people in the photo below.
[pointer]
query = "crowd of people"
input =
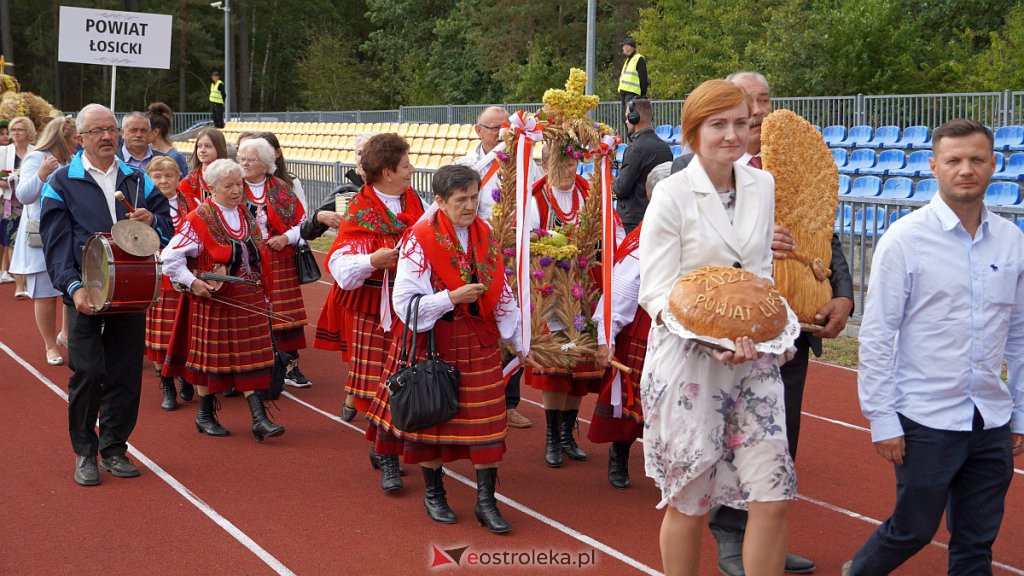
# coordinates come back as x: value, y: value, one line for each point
x: 719, y: 429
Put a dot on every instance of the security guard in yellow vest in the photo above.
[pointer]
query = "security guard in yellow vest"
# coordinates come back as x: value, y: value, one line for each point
x: 633, y: 79
x: 217, y: 94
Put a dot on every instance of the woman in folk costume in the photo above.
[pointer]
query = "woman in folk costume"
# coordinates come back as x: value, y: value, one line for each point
x: 452, y: 257
x: 278, y: 214
x: 160, y: 316
x: 630, y: 325
x: 210, y: 146
x: 229, y: 342
x: 714, y: 422
x: 362, y: 262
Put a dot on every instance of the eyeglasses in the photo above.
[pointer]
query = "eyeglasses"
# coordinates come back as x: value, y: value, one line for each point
x: 96, y: 132
x: 247, y: 160
x: 490, y: 127
x: 12, y: 130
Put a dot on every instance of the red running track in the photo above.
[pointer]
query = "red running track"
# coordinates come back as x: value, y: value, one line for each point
x: 308, y: 502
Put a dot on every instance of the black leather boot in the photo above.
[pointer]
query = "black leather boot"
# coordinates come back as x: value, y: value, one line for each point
x: 487, y: 513
x: 434, y: 496
x: 390, y: 477
x: 566, y: 426
x: 553, y: 443
x: 262, y: 426
x: 376, y: 463
x: 618, y: 464
x: 206, y: 418
x: 169, y: 393
x: 186, y: 390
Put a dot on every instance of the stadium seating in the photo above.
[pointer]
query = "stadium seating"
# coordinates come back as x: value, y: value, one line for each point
x: 869, y: 221
x: 1013, y: 170
x: 866, y: 187
x: 896, y: 215
x: 888, y: 160
x: 883, y: 136
x: 833, y: 135
x: 844, y: 219
x: 619, y: 151
x: 841, y: 156
x: 925, y: 189
x: 677, y: 135
x: 1009, y: 138
x: 1002, y: 194
x: 913, y: 137
x: 898, y: 188
x: 677, y: 150
x: 844, y: 184
x: 859, y: 159
x: 664, y: 132
x: 856, y: 135
x: 917, y: 165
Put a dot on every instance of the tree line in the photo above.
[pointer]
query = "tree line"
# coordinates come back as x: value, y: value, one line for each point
x: 380, y: 54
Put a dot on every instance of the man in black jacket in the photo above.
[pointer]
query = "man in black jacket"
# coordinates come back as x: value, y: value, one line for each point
x: 728, y: 525
x: 645, y: 152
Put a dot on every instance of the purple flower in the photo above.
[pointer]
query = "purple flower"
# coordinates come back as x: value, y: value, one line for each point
x: 580, y: 323
x: 546, y: 261
x: 568, y: 150
x: 496, y: 194
x: 547, y: 290
x: 583, y: 262
x: 691, y: 390
x: 577, y: 292
x: 538, y: 274
x: 509, y: 271
x: 509, y: 251
x: 564, y: 264
x: 501, y: 156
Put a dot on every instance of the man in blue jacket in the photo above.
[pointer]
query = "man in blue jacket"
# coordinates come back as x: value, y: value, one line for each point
x: 105, y: 351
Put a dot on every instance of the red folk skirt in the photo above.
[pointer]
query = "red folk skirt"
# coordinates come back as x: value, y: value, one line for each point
x: 477, y: 431
x: 368, y: 350
x: 286, y: 299
x: 333, y: 327
x: 224, y: 346
x: 582, y: 380
x: 630, y: 349
x: 160, y: 322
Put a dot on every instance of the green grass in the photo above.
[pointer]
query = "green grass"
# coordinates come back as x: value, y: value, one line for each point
x: 322, y: 244
x: 841, y: 351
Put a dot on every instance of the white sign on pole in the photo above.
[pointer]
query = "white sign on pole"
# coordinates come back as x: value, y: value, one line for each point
x: 114, y: 38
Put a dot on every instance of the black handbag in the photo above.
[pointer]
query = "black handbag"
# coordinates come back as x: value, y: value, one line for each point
x: 424, y: 393
x: 305, y: 264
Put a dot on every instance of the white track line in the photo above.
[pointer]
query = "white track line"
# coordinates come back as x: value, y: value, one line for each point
x: 575, y: 534
x: 171, y: 481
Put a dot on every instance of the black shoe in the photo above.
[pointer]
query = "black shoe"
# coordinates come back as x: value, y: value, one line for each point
x: 119, y: 466
x: 730, y: 558
x: 169, y: 394
x: 296, y: 378
x: 566, y: 426
x: 262, y: 425
x: 206, y: 418
x: 434, y: 496
x: 798, y: 564
x: 618, y: 464
x: 487, y: 513
x: 553, y: 442
x: 231, y: 393
x: 86, y: 473
x: 390, y: 476
x: 186, y: 390
x: 376, y: 462
x: 348, y: 412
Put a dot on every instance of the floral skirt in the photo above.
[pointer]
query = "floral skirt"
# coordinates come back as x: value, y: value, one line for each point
x: 714, y: 433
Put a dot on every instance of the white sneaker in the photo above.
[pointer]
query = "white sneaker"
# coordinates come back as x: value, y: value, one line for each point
x: 6, y: 278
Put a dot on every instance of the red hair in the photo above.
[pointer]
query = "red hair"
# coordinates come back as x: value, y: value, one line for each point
x: 708, y: 99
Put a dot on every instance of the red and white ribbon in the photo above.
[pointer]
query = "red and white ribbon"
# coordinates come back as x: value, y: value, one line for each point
x: 385, y: 304
x: 526, y: 131
x: 607, y: 261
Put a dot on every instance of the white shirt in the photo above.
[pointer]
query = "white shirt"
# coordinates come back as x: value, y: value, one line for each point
x: 564, y: 200
x: 943, y: 310
x: 106, y: 180
x: 410, y: 281
x: 259, y: 193
x: 625, y: 297
x: 185, y: 244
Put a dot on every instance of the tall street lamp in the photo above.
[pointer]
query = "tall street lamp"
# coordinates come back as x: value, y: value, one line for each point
x: 225, y: 7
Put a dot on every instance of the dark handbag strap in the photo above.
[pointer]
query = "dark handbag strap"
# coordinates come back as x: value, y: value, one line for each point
x: 412, y: 317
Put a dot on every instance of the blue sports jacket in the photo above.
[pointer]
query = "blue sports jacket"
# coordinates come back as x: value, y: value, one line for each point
x: 74, y: 209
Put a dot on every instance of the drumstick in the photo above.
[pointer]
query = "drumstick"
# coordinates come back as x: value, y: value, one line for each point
x: 124, y: 201
x: 621, y: 367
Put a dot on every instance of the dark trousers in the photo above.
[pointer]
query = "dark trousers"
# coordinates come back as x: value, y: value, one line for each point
x: 105, y: 354
x: 217, y: 111
x: 512, y: 390
x: 729, y: 524
x: 964, y: 474
x: 625, y: 97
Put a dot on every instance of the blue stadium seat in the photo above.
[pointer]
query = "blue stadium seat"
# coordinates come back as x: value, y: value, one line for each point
x: 925, y: 189
x: 1000, y: 162
x: 1002, y: 194
x: 883, y: 137
x: 844, y: 184
x: 898, y: 188
x: 619, y: 151
x: 1013, y: 170
x: 869, y: 220
x: 856, y: 136
x: 833, y: 135
x: 1020, y: 224
x: 1009, y: 138
x: 913, y: 137
x: 866, y: 187
x: 664, y: 132
x: 677, y: 135
x: 917, y: 165
x: 677, y: 150
x: 896, y: 215
x: 888, y: 160
x: 844, y: 219
x: 818, y: 128
x: 841, y: 156
x: 859, y: 159
x: 585, y: 169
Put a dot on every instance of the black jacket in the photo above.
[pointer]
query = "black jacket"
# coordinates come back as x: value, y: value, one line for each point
x: 841, y: 280
x: 646, y: 152
x: 310, y: 228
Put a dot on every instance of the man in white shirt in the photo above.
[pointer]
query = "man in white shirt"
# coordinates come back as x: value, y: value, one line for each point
x: 945, y: 306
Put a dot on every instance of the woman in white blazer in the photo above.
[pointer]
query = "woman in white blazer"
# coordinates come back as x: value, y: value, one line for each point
x: 714, y: 428
x: 54, y: 149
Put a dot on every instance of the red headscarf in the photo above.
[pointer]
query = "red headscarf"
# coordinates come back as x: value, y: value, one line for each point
x: 283, y: 207
x: 368, y: 225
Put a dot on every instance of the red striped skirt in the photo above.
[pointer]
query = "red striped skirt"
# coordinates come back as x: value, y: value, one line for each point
x: 159, y: 323
x: 286, y: 298
x: 584, y: 379
x: 333, y: 327
x: 477, y: 431
x: 229, y: 347
x: 368, y: 348
x: 604, y: 426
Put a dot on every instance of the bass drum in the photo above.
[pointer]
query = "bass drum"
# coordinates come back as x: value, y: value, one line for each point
x: 116, y: 281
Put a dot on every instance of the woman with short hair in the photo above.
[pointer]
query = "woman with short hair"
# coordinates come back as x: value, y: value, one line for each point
x: 23, y: 134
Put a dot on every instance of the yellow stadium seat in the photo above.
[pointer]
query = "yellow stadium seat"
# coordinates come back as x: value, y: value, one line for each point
x: 450, y: 146
x: 463, y: 147
x: 446, y: 160
x: 433, y: 131
x: 434, y: 163
x: 428, y: 145
x: 438, y: 146
x: 348, y: 157
x: 403, y: 131
x: 442, y: 130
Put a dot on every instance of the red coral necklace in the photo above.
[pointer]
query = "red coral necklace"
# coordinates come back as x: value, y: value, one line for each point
x: 563, y: 217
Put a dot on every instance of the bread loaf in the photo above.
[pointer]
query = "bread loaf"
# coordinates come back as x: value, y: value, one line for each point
x: 721, y: 302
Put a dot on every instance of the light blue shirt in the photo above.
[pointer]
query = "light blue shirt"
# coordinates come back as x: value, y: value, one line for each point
x: 942, y: 311
x: 135, y: 162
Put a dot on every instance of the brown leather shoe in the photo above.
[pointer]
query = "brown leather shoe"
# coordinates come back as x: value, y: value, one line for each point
x: 517, y: 420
